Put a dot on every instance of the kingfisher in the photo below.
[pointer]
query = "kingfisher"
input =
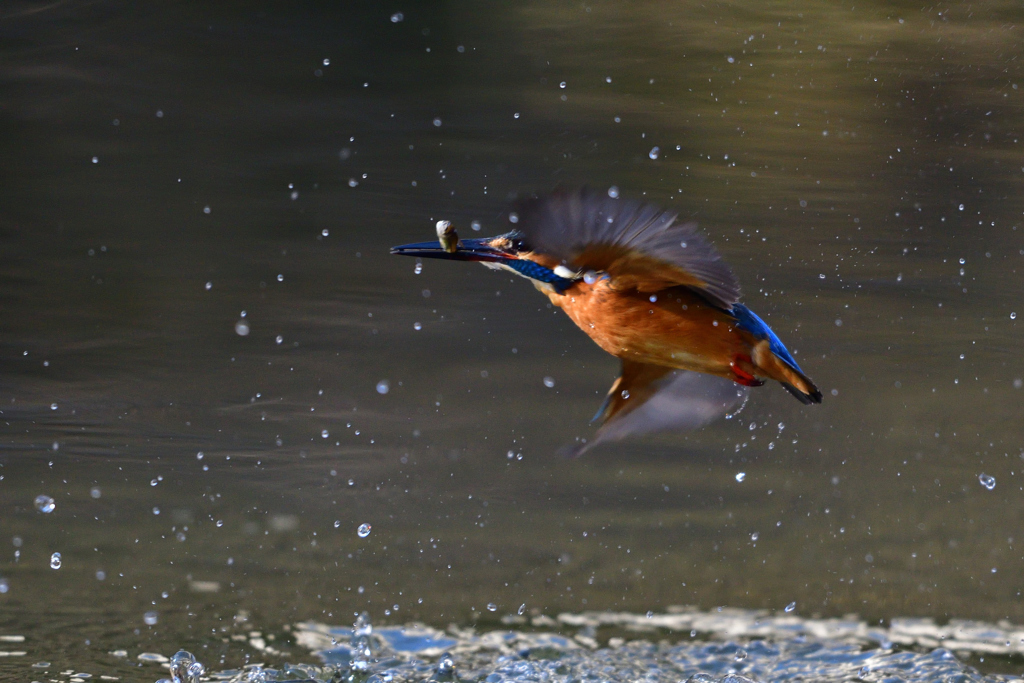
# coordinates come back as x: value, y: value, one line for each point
x: 648, y: 289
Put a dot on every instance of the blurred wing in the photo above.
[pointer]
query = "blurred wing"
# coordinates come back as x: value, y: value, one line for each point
x: 674, y: 400
x: 639, y: 245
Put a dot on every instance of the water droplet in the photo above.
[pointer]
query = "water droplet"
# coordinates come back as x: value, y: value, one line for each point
x: 731, y: 60
x: 653, y: 298
x: 491, y: 607
x: 55, y: 561
x: 44, y: 503
x: 352, y: 182
x: 790, y: 607
x: 151, y: 618
x: 4, y: 585
x: 740, y: 476
x: 242, y: 328
x: 961, y: 207
x: 417, y: 326
x: 613, y: 192
x: 337, y: 523
x: 513, y: 217
x: 397, y: 17
x: 184, y: 667
x: 625, y: 394
x: 987, y: 480
x: 364, y: 530
x: 53, y: 406
x: 437, y: 122
x: 325, y: 232
x: 740, y: 655
x: 279, y: 339
x: 654, y: 153
x: 446, y: 666
x: 650, y: 614
x: 324, y: 434
x: 209, y: 286
x: 754, y: 536
x: 549, y: 382
x: 521, y: 610
x: 1013, y: 316
x: 383, y: 387
x: 206, y: 210
x: 156, y: 511
x: 590, y: 277
x: 418, y: 268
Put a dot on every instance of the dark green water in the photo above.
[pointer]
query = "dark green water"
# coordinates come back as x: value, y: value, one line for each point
x: 167, y: 166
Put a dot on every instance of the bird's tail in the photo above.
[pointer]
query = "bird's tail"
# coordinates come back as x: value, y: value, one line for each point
x: 792, y: 378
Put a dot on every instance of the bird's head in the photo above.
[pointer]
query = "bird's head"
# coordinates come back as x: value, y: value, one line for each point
x: 508, y: 252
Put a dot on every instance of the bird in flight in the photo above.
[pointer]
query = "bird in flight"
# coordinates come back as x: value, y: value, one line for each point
x: 649, y: 290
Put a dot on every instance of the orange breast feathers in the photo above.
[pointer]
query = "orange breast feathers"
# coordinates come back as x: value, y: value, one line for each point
x: 673, y: 327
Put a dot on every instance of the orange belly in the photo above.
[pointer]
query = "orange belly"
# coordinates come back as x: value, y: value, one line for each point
x: 678, y: 329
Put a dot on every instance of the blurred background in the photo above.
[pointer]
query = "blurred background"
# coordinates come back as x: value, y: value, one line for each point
x: 213, y: 372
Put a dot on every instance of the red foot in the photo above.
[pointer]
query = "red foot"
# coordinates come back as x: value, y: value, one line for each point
x: 741, y: 376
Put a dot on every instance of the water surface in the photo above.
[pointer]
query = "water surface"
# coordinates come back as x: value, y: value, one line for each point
x: 171, y: 171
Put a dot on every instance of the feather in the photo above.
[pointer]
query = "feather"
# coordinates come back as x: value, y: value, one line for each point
x: 661, y: 399
x: 640, y: 246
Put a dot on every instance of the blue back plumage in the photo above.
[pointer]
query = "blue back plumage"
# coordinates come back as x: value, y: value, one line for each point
x: 535, y: 271
x: 748, y: 320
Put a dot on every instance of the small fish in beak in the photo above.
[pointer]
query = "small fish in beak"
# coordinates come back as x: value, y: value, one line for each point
x: 447, y: 236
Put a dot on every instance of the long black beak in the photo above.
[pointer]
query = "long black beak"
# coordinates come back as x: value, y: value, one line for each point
x: 468, y: 250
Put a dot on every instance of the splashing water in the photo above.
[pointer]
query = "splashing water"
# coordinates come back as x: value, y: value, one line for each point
x: 446, y: 667
x: 185, y: 668
x: 362, y: 630
x: 740, y: 646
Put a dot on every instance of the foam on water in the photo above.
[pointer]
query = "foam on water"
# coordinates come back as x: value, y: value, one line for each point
x: 735, y: 646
